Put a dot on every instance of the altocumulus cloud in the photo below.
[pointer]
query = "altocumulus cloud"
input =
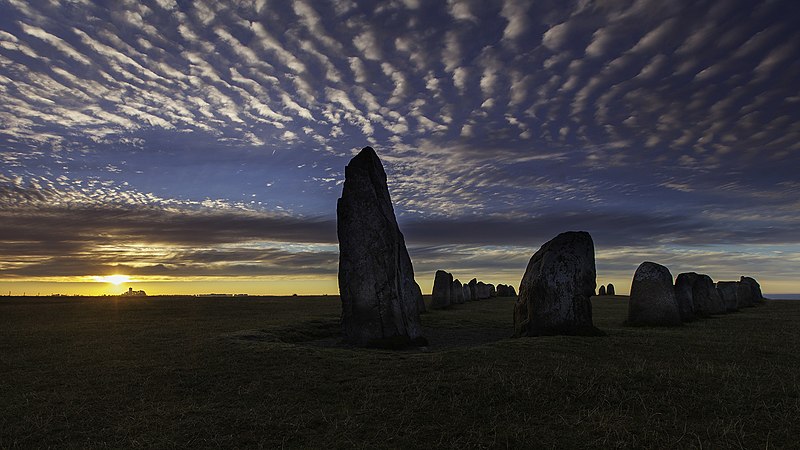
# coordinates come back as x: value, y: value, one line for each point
x: 210, y: 131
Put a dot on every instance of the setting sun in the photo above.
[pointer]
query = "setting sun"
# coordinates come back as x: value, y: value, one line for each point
x: 113, y: 279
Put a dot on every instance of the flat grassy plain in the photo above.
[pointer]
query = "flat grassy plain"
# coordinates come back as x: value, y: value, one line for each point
x: 267, y: 372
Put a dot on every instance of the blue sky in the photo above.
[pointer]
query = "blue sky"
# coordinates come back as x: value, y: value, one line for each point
x: 206, y: 140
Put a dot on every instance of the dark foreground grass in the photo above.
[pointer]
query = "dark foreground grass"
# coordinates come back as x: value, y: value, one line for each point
x: 265, y: 372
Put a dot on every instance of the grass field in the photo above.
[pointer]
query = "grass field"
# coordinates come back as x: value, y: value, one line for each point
x: 266, y: 372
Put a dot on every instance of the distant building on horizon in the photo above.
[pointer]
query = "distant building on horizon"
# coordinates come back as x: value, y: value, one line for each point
x: 132, y: 293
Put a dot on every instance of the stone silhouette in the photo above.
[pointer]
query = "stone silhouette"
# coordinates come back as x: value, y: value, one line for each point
x: 456, y: 293
x: 554, y: 295
x: 473, y: 289
x: 705, y: 297
x: 744, y: 295
x: 652, y: 301
x: 610, y: 289
x: 755, y: 289
x: 380, y: 299
x: 442, y: 283
x: 684, y: 287
x: 492, y: 290
x: 467, y: 292
x: 728, y: 291
x: 602, y: 290
x: 482, y: 290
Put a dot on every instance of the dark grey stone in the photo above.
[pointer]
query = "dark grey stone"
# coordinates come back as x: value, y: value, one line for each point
x: 442, y: 283
x: 456, y: 293
x: 755, y: 289
x: 602, y: 290
x: 652, y: 301
x: 684, y: 287
x: 706, y: 298
x: 610, y: 289
x: 473, y: 289
x: 380, y: 299
x: 728, y: 290
x: 555, y: 291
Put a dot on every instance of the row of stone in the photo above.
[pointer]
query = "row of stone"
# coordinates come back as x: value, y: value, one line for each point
x: 606, y: 290
x: 654, y: 300
x: 448, y: 291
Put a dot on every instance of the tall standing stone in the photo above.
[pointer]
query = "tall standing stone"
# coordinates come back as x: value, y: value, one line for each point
x: 684, y: 287
x: 442, y: 283
x: 456, y: 293
x: 554, y: 295
x: 473, y: 289
x: 652, y: 300
x: 380, y: 299
x: 610, y: 289
x: 467, y: 292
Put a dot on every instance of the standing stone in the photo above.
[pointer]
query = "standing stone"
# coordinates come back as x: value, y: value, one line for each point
x: 492, y: 290
x: 511, y: 291
x: 376, y: 278
x: 602, y: 290
x: 706, y: 298
x: 744, y: 295
x: 442, y: 283
x: 456, y: 293
x: 554, y: 295
x: 755, y: 289
x: 652, y: 301
x: 610, y: 289
x: 467, y: 292
x: 728, y: 291
x: 483, y: 290
x: 473, y: 289
x: 684, y: 287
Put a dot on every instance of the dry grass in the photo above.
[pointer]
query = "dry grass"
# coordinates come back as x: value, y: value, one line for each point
x: 257, y: 372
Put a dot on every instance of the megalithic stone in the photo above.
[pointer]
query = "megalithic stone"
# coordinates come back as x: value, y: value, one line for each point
x: 380, y: 299
x: 442, y: 284
x: 554, y: 295
x: 652, y: 300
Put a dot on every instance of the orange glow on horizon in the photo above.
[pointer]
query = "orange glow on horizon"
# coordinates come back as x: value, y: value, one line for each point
x: 113, y: 279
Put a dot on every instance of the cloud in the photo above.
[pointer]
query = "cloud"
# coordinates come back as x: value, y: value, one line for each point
x: 556, y: 37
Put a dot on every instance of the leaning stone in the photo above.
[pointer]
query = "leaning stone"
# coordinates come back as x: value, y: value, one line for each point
x: 442, y: 283
x: 555, y: 291
x: 684, y: 286
x: 380, y: 305
x: 728, y: 291
x: 652, y: 301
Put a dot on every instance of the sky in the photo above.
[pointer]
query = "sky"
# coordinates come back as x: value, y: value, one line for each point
x: 199, y: 146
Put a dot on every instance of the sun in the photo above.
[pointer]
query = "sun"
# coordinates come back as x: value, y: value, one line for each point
x: 113, y: 279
